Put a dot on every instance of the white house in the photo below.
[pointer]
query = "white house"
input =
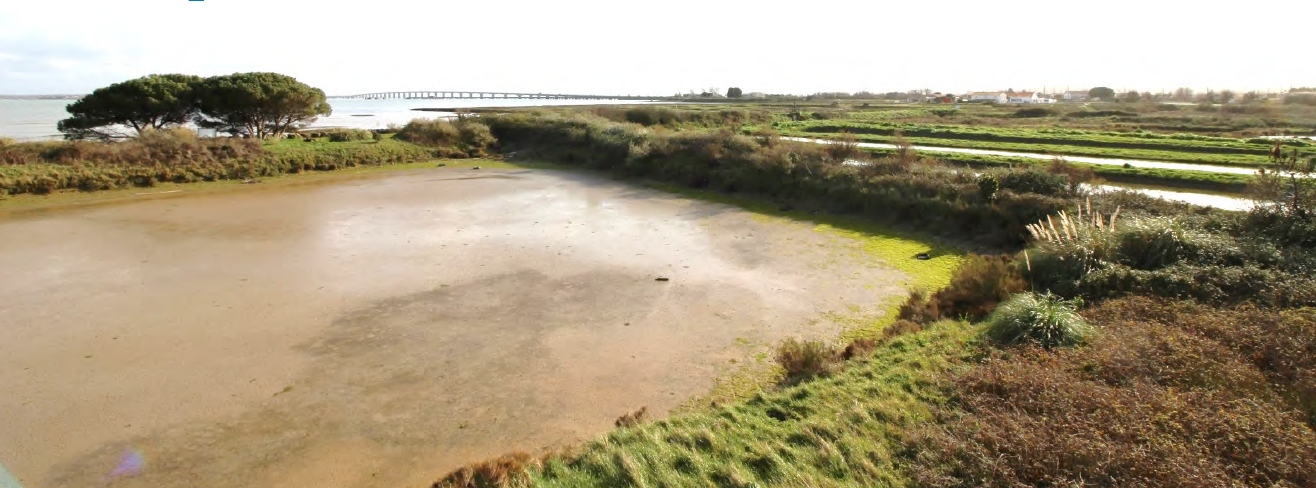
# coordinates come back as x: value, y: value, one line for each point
x: 998, y: 97
x: 1023, y: 97
x: 754, y: 95
x: 1076, y: 96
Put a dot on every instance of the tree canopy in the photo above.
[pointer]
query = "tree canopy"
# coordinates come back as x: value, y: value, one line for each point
x: 149, y: 102
x: 734, y: 92
x: 258, y: 104
x: 1102, y: 92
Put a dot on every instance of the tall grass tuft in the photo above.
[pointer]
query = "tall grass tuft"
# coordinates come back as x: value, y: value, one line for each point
x: 1069, y: 249
x: 1042, y: 319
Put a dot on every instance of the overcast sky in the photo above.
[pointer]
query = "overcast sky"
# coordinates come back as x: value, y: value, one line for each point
x: 664, y: 47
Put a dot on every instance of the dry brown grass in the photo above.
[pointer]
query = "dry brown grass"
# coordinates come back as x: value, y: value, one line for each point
x: 632, y: 419
x: 508, y: 470
x: 1168, y: 394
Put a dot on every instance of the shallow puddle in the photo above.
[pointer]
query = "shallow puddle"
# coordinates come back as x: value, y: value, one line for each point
x: 381, y: 330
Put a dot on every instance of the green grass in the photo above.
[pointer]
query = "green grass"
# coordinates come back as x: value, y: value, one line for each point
x: 874, y: 243
x: 881, y: 244
x: 1201, y: 180
x: 843, y: 430
x: 1042, y: 319
x: 1258, y: 159
x: 1190, y: 148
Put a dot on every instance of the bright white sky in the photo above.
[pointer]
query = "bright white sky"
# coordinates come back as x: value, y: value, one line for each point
x: 663, y: 47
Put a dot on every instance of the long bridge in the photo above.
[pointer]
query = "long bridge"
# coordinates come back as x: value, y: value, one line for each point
x: 456, y: 95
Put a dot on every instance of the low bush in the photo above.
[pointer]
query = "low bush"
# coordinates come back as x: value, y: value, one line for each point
x: 508, y: 470
x: 1217, y: 261
x: 975, y: 290
x: 860, y: 348
x: 465, y: 137
x: 806, y: 359
x: 1042, y: 319
x: 632, y: 419
x: 902, y: 327
x: 349, y: 135
x: 1100, y: 113
x: 1034, y: 112
x: 1033, y: 180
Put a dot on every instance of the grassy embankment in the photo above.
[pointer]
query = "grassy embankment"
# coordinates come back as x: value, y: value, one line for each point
x: 179, y: 157
x: 1138, y: 388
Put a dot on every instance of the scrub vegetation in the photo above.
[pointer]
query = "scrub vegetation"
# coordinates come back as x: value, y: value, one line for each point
x: 1105, y: 339
x: 1089, y: 339
x: 178, y: 156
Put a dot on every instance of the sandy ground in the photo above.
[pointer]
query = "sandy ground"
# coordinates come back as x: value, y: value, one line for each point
x: 381, y: 330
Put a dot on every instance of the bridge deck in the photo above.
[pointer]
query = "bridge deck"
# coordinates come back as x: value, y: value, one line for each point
x: 456, y: 94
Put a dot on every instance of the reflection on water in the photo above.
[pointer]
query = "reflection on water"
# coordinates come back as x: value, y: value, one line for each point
x: 1223, y: 202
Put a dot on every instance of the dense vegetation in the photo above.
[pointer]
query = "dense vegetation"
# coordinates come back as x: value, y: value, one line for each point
x: 902, y: 189
x: 178, y: 156
x: 1116, y: 341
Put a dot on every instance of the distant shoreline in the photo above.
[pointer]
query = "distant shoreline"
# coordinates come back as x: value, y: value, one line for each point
x: 40, y: 97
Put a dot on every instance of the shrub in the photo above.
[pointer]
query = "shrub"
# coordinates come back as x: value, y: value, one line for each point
x: 1035, y: 180
x: 632, y: 419
x: 348, y: 135
x: 805, y: 359
x: 860, y: 348
x: 1042, y: 319
x: 1034, y: 112
x: 974, y: 291
x: 1150, y: 243
x: 505, y: 471
x: 1075, y: 175
x: 430, y: 132
x: 988, y: 185
x: 475, y: 136
x: 901, y: 327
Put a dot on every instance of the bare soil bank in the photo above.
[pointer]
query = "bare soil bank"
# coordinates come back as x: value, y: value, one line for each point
x: 380, y: 330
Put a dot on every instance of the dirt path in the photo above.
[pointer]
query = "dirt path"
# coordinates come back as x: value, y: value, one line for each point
x: 381, y: 330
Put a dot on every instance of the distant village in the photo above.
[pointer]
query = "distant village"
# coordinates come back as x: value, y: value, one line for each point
x: 1027, y: 97
x: 1303, y: 95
